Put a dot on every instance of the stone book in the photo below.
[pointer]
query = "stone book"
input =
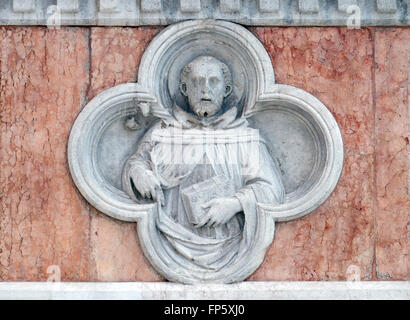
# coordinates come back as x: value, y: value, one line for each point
x: 198, y: 194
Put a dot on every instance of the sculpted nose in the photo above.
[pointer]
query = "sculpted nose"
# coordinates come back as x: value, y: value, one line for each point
x: 205, y: 87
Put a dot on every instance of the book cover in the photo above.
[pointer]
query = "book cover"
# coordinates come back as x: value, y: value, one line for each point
x: 194, y: 196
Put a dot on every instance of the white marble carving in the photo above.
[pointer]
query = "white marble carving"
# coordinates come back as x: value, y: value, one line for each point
x: 245, y: 12
x: 387, y: 6
x: 248, y: 290
x: 68, y: 6
x: 308, y: 6
x: 206, y: 152
x: 190, y: 5
x: 23, y: 6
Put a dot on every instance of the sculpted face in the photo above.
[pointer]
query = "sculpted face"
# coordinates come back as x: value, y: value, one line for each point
x: 205, y: 82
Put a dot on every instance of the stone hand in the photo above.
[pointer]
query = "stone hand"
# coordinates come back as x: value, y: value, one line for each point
x: 148, y: 185
x: 221, y: 210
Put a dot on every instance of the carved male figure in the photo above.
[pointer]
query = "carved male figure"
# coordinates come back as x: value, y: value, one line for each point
x: 183, y: 152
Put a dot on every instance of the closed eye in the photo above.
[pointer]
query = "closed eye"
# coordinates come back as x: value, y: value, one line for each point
x: 214, y: 80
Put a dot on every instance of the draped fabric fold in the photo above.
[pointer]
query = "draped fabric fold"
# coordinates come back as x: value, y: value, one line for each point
x: 182, y: 151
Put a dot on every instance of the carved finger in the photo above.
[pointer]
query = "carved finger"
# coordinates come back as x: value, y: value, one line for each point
x: 161, y: 197
x: 207, y: 204
x: 141, y: 192
x: 206, y: 224
x: 155, y: 181
x: 218, y: 220
x: 224, y: 221
x: 215, y: 224
x: 153, y: 193
x: 202, y: 222
x: 210, y: 222
x: 158, y: 195
x: 145, y: 193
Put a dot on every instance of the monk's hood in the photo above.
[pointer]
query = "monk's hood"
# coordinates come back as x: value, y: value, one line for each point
x: 185, y: 120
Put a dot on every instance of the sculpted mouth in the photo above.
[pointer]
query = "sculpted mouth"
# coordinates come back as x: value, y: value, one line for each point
x: 206, y: 100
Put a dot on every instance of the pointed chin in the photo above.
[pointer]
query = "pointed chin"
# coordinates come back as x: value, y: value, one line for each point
x: 205, y: 109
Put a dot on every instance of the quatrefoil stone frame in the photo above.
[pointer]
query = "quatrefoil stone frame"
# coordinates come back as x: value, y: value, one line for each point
x: 302, y: 130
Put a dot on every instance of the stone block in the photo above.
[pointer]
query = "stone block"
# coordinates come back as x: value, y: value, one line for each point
x: 308, y: 6
x: 190, y: 5
x: 392, y: 56
x: 230, y: 6
x: 109, y: 6
x: 68, y: 6
x: 386, y: 6
x: 269, y: 6
x: 151, y: 5
x: 23, y: 6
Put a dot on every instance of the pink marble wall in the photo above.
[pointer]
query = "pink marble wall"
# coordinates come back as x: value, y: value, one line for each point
x: 392, y: 154
x: 335, y: 65
x: 43, y: 219
x: 116, y: 254
x: 47, y: 76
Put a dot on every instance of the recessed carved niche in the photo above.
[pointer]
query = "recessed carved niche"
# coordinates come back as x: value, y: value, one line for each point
x: 205, y: 152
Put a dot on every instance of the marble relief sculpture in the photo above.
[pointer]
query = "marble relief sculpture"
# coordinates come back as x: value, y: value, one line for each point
x: 219, y: 144
x: 206, y: 153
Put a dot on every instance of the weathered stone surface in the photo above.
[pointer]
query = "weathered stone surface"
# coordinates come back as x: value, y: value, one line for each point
x: 278, y: 290
x: 245, y: 12
x: 324, y: 244
x: 43, y: 220
x: 392, y: 57
x: 335, y: 65
x: 178, y: 250
x: 116, y: 253
x: 115, y: 56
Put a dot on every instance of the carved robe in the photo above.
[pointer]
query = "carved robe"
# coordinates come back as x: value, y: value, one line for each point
x: 181, y: 151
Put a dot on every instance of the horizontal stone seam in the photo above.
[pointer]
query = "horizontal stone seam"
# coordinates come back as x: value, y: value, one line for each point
x: 247, y: 12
